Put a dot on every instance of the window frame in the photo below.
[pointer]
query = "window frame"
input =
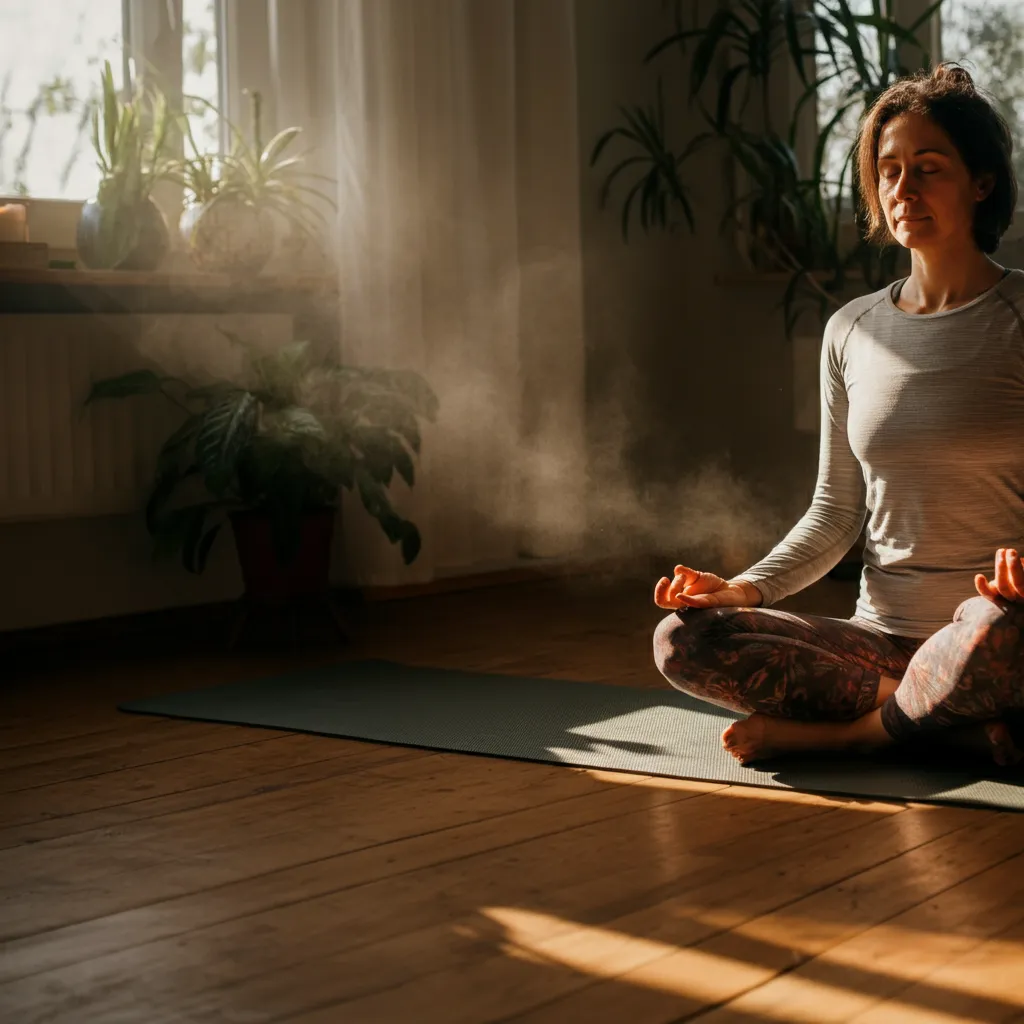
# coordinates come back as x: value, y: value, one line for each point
x: 153, y: 37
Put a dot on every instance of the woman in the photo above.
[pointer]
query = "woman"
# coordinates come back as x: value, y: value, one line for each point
x: 922, y: 391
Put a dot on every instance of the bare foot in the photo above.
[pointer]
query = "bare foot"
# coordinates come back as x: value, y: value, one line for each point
x: 762, y: 736
x: 750, y: 739
x: 1004, y: 751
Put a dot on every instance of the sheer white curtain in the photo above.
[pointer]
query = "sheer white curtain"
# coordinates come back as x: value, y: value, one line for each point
x: 453, y: 127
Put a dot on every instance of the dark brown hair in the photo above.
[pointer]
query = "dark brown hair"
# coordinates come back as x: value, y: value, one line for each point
x: 948, y: 96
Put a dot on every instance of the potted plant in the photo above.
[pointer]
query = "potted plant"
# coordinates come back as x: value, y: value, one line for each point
x: 121, y: 227
x: 231, y: 201
x: 270, y: 452
x: 791, y: 218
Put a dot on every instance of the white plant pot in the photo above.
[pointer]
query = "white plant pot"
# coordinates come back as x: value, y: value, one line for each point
x: 227, y: 236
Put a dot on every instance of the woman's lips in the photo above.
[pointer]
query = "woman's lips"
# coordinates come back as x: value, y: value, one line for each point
x: 910, y: 220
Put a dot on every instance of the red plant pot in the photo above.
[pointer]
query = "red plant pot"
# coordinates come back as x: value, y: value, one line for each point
x: 266, y: 580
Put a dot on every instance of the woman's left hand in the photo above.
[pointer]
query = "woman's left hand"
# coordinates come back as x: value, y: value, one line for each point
x: 1009, y: 578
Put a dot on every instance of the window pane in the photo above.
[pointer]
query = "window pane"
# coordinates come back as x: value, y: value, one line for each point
x: 988, y: 37
x: 830, y: 97
x: 51, y: 53
x: 200, y: 52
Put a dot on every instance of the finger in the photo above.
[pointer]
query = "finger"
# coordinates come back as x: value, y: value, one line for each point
x: 1016, y: 569
x: 1002, y: 581
x: 661, y: 598
x: 683, y: 578
x: 683, y: 582
x: 704, y: 583
x: 984, y: 588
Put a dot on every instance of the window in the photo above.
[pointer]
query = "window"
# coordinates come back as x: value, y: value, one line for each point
x: 52, y: 54
x: 987, y: 36
x: 832, y: 93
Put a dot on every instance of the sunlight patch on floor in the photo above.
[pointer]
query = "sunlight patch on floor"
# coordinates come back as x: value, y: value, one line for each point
x: 763, y: 793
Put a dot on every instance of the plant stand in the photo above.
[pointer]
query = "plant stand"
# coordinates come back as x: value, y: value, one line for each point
x: 266, y: 615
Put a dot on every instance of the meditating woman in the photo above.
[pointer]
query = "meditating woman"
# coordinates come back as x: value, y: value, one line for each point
x: 922, y: 436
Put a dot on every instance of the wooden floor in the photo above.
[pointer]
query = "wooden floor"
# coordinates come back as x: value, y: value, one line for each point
x: 158, y: 870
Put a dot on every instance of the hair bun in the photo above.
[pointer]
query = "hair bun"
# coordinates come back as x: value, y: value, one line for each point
x: 954, y: 76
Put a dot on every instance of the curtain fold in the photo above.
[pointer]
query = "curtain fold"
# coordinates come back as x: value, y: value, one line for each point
x: 455, y: 152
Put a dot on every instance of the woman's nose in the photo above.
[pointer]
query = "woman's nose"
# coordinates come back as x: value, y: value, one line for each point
x: 904, y: 187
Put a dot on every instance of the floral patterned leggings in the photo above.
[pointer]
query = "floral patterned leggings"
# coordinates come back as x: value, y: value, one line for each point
x: 817, y: 668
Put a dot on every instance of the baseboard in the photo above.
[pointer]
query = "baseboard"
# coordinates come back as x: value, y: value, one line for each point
x: 206, y: 626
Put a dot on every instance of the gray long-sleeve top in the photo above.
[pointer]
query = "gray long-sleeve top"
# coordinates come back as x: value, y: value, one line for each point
x: 922, y: 436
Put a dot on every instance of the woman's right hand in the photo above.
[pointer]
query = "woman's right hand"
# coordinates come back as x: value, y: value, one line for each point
x: 691, y: 588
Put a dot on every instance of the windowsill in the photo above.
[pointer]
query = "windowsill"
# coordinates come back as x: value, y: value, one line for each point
x: 27, y: 290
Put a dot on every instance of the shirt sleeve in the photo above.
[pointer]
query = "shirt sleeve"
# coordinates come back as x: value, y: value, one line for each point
x: 836, y: 516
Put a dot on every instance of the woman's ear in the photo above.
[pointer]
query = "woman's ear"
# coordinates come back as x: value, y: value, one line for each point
x: 983, y: 185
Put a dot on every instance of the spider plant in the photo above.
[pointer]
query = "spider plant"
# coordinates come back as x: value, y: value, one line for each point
x: 266, y: 176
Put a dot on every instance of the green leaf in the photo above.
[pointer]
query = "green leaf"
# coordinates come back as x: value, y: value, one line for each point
x: 888, y: 27
x: 192, y: 538
x: 139, y: 382
x: 703, y: 55
x: 280, y: 142
x: 410, y: 542
x: 725, y: 93
x: 163, y: 490
x: 796, y: 49
x: 225, y: 430
x: 182, y: 529
x: 202, y: 551
x: 609, y: 180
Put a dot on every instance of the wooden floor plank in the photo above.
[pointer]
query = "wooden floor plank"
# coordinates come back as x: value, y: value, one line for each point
x: 148, y: 872
x: 58, y: 882
x: 186, y: 783
x: 654, y: 951
x: 985, y: 983
x: 554, y: 868
x: 874, y: 971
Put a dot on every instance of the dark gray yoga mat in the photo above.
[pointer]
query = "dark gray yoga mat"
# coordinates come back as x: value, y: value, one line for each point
x: 592, y: 725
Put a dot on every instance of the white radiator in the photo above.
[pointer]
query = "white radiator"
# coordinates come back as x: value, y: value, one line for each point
x: 60, y: 459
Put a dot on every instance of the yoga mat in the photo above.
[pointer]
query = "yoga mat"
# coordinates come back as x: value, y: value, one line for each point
x: 591, y: 725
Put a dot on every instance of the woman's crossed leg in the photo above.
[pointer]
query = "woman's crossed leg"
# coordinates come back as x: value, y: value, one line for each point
x: 811, y: 682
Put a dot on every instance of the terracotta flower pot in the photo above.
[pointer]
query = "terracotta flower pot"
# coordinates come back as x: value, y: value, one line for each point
x: 266, y: 579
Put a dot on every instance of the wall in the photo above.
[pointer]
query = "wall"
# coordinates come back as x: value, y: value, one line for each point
x: 683, y: 373
x: 99, y: 563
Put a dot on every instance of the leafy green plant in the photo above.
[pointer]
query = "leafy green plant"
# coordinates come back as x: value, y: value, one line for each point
x: 197, y: 172
x: 133, y: 141
x: 283, y: 439
x: 267, y: 176
x: 791, y: 217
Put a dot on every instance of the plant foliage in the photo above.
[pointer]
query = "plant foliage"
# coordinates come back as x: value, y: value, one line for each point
x: 790, y: 216
x: 133, y: 142
x: 284, y: 439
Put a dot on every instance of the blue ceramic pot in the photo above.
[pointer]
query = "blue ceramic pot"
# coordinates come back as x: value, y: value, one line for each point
x: 144, y: 225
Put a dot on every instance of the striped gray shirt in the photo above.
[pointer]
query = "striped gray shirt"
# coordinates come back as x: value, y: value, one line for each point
x: 922, y: 436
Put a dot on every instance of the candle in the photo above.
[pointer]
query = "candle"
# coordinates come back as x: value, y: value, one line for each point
x: 13, y: 223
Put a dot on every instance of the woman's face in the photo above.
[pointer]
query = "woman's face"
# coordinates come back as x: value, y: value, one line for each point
x: 925, y: 189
